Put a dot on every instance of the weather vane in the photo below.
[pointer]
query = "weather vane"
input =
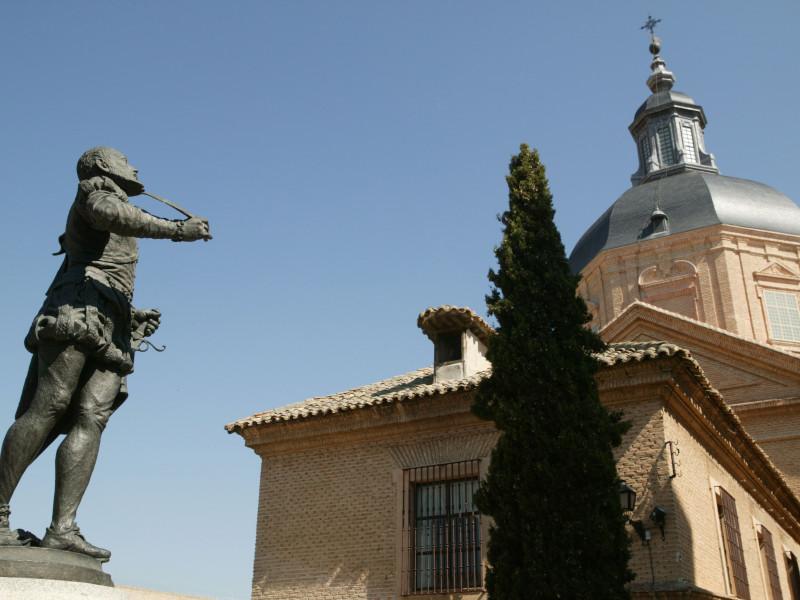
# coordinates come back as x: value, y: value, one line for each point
x: 650, y: 25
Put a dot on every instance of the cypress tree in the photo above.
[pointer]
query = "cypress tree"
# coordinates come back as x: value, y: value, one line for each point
x: 552, y: 488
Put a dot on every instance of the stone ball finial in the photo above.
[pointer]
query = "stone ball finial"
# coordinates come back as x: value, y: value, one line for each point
x: 655, y: 45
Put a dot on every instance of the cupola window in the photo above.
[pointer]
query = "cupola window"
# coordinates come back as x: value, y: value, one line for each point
x: 689, y: 152
x: 644, y: 145
x: 665, y: 144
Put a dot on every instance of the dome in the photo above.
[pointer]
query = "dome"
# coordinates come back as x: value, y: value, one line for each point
x: 690, y: 200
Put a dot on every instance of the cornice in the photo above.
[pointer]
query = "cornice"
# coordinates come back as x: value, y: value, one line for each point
x: 383, y: 422
x: 767, y: 407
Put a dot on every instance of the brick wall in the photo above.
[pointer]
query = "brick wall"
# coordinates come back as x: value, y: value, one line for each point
x: 328, y: 515
x: 326, y: 525
x: 698, y: 472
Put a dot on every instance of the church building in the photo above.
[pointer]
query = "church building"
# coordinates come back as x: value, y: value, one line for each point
x: 692, y: 278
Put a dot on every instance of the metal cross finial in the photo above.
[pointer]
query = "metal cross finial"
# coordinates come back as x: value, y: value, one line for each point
x: 651, y: 23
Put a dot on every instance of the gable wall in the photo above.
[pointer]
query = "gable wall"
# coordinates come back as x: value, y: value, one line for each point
x: 742, y: 372
x: 325, y: 525
x: 328, y: 525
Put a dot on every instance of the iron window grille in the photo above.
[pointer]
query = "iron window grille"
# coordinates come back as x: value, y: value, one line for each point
x: 767, y: 549
x: 732, y: 544
x: 793, y: 573
x: 441, y: 545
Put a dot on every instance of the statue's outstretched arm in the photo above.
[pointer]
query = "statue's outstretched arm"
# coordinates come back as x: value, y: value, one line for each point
x: 107, y: 212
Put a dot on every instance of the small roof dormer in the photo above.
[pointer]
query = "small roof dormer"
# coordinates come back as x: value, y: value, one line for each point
x: 459, y: 339
x: 668, y: 128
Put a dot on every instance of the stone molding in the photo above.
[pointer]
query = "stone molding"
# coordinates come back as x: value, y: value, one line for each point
x: 776, y: 272
x: 767, y: 407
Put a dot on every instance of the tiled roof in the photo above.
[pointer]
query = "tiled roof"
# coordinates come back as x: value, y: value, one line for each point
x: 420, y: 383
x: 397, y: 389
x: 623, y: 352
x: 638, y: 351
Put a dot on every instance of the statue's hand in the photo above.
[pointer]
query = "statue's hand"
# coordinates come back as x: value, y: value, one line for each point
x: 145, y: 322
x: 195, y: 228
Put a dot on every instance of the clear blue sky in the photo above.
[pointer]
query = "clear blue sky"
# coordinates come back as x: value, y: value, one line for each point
x: 350, y: 157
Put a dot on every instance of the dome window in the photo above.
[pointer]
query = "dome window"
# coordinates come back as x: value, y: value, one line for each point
x: 784, y: 315
x: 665, y: 145
x: 644, y: 145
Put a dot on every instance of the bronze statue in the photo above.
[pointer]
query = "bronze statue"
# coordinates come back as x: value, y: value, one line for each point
x: 83, y: 340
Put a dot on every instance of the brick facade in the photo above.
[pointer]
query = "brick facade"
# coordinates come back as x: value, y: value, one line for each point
x: 329, y: 517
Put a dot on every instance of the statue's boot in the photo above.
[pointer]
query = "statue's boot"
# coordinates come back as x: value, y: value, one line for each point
x: 8, y: 537
x: 73, y: 541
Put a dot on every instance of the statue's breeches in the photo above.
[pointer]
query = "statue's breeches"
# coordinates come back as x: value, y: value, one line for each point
x: 91, y: 315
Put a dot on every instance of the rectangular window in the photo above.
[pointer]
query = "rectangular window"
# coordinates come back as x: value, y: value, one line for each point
x: 732, y: 544
x: 767, y: 550
x: 441, y: 529
x: 665, y: 144
x: 784, y: 315
x: 689, y: 152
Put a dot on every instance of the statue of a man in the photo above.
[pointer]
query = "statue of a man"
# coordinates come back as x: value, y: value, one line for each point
x: 83, y: 340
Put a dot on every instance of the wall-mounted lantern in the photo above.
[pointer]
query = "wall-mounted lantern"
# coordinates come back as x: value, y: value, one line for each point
x: 627, y: 497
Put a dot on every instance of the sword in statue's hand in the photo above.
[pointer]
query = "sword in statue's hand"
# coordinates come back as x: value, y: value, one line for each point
x: 180, y: 209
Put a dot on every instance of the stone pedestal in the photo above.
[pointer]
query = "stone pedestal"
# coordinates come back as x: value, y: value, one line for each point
x: 20, y: 562
x: 17, y: 588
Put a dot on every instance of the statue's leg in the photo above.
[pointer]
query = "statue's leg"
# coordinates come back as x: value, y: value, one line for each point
x: 76, y: 458
x: 60, y: 367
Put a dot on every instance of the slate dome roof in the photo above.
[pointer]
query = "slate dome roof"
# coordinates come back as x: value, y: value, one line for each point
x: 691, y: 200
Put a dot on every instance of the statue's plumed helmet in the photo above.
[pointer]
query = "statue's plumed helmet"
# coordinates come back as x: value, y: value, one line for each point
x: 88, y: 161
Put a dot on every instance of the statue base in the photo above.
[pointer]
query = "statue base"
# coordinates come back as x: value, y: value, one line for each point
x: 22, y: 562
x: 17, y: 588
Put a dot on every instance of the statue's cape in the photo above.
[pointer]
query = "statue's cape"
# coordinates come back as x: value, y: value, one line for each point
x: 65, y: 422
